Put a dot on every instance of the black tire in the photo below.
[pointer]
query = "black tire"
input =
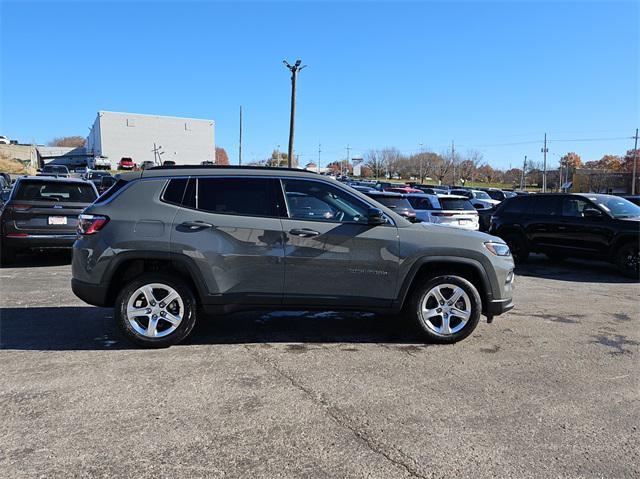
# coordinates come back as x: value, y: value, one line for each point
x: 428, y: 328
x: 518, y: 246
x: 628, y: 260
x: 183, y: 329
x: 7, y: 255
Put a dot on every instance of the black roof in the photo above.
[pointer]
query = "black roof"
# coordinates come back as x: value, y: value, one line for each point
x: 229, y: 167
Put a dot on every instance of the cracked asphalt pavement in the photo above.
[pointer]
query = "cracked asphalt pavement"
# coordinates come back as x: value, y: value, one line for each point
x: 550, y: 389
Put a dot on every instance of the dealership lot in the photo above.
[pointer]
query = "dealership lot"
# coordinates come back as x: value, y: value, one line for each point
x: 550, y: 389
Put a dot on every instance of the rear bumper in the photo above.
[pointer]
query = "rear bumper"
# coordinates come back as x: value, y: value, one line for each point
x: 39, y: 240
x: 94, y: 294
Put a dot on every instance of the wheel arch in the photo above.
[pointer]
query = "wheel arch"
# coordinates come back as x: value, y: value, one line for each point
x: 127, y: 266
x: 432, y: 266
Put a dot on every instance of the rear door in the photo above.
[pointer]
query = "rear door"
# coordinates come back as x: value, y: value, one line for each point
x: 332, y: 256
x: 48, y: 207
x: 543, y: 228
x: 230, y: 228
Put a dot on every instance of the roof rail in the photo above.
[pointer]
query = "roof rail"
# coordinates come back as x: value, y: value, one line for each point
x: 229, y: 167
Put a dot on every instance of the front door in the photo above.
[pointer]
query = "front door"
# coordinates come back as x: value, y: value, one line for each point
x: 332, y: 256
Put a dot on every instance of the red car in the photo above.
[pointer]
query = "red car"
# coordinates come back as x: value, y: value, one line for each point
x: 126, y: 164
x: 403, y: 189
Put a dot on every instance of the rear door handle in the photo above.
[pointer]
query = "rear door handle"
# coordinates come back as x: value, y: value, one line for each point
x: 196, y: 225
x: 304, y: 232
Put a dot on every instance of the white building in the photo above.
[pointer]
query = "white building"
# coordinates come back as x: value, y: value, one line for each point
x: 132, y: 135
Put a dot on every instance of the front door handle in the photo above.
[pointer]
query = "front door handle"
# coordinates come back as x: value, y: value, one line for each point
x: 196, y: 225
x: 304, y: 232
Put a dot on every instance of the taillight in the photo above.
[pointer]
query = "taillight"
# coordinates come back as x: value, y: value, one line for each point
x: 91, y: 224
x: 18, y: 207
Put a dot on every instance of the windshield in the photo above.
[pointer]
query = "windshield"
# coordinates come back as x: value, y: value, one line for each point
x: 616, y: 206
x: 481, y: 195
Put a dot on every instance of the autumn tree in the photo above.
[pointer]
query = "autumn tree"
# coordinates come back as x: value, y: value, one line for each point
x: 68, y: 141
x: 607, y: 162
x: 571, y: 161
x: 221, y: 156
x: 627, y: 161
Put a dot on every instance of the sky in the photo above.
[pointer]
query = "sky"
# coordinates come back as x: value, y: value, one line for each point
x: 491, y: 76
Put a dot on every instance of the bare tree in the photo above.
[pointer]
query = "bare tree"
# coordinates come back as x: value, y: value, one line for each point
x: 68, y: 141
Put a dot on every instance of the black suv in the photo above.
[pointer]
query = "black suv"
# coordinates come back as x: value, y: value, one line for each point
x: 586, y: 225
x: 166, y: 242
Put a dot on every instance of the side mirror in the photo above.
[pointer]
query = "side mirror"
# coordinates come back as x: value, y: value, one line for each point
x: 592, y: 213
x: 375, y: 217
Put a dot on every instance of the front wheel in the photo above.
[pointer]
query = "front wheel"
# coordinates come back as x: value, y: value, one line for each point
x: 156, y: 310
x: 518, y: 246
x: 628, y: 260
x: 446, y: 309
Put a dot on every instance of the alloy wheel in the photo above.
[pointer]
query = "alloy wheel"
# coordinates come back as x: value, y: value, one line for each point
x: 155, y: 310
x: 445, y: 309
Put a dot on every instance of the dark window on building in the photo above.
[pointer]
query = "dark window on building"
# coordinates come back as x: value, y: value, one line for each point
x: 237, y: 196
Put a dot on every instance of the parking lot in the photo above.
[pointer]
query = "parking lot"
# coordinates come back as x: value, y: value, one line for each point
x: 550, y: 389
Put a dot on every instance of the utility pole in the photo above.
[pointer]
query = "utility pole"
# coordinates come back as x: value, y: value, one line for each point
x: 348, y: 157
x: 420, y: 161
x: 544, y: 150
x: 295, y: 68
x: 523, y: 178
x: 635, y: 168
x: 453, y: 162
x: 240, y: 142
x: 319, y: 151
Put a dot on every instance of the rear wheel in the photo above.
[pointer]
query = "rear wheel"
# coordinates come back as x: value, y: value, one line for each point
x: 628, y: 260
x: 155, y: 310
x: 518, y: 246
x: 446, y: 309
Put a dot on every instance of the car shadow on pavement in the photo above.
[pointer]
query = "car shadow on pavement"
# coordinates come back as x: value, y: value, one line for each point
x: 87, y: 328
x: 42, y: 258
x: 579, y: 270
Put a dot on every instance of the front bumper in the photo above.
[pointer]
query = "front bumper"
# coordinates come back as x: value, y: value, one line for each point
x: 39, y: 240
x: 498, y: 307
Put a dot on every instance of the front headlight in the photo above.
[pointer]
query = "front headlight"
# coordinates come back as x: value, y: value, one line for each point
x: 499, y: 249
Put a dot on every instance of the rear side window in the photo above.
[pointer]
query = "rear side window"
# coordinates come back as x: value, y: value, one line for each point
x: 237, y: 196
x: 174, y: 191
x: 422, y: 203
x: 456, y: 204
x: 55, y: 191
x: 517, y: 205
x: 111, y: 191
x: 545, y: 206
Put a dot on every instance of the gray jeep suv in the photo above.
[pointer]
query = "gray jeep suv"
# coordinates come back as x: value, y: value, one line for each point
x: 166, y: 243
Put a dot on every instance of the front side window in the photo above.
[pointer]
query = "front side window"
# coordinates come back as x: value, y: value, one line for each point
x: 313, y: 200
x: 236, y: 196
x: 617, y: 207
x: 574, y: 207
